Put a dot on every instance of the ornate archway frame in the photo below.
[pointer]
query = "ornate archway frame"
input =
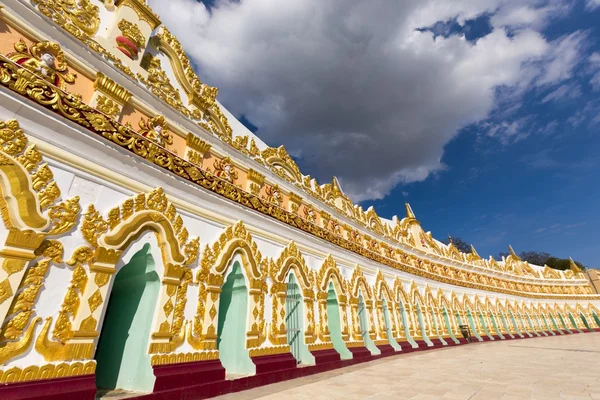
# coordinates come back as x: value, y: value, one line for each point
x: 417, y: 301
x: 329, y: 272
x: 444, y: 303
x: 382, y: 291
x: 531, y: 320
x: 528, y: 329
x: 481, y: 310
x: 503, y: 313
x: 511, y: 308
x: 76, y: 328
x: 30, y: 216
x: 434, y: 311
x: 492, y: 311
x: 469, y: 306
x: 290, y: 260
x: 592, y: 309
x: 402, y: 299
x: 360, y: 286
x: 214, y: 266
x: 573, y: 312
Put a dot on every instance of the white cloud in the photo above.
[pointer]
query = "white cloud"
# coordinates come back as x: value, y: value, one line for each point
x: 591, y: 4
x: 594, y: 62
x: 354, y: 88
x: 564, y: 54
x: 563, y: 92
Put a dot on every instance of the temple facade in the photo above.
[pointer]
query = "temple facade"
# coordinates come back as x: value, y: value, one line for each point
x: 150, y: 243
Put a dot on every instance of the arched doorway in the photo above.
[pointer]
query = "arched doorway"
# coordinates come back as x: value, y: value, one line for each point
x: 596, y: 319
x: 388, y: 325
x: 483, y: 323
x: 495, y: 324
x: 406, y: 325
x: 122, y: 353
x: 574, y: 323
x: 363, y: 320
x: 515, y: 325
x: 584, y: 320
x: 333, y: 319
x: 472, y: 325
x: 422, y: 325
x: 449, y: 325
x: 231, y: 332
x: 294, y: 312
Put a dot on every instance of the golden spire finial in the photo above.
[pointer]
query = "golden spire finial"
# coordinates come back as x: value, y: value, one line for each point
x: 512, y: 252
x: 474, y: 252
x: 574, y: 267
x: 409, y: 212
x: 336, y: 186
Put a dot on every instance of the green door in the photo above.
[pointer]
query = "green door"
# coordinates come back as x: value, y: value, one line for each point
x: 292, y: 317
x: 122, y: 354
x: 363, y: 319
x: 388, y: 326
x: 334, y: 321
x: 231, y: 332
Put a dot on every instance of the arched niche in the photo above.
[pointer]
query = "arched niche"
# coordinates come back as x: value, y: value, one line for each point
x: 290, y: 269
x: 406, y: 313
x: 95, y: 266
x: 361, y: 300
x: 329, y: 281
x: 234, y: 243
x: 421, y: 313
x: 387, y: 311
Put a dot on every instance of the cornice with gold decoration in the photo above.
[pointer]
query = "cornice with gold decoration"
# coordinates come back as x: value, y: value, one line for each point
x: 187, y: 171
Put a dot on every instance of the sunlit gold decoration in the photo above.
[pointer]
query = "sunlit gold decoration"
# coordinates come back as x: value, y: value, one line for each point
x: 156, y: 130
x: 107, y: 106
x: 46, y: 60
x: 143, y: 11
x: 132, y: 40
x: 112, y: 89
x: 225, y: 170
x: 273, y: 195
x: 290, y: 259
x: 200, y: 95
x: 12, y: 349
x: 309, y: 213
x: 22, y: 307
x: 77, y: 17
x: 196, y: 149
x: 213, y: 267
x: 255, y: 181
x: 160, y: 84
x: 63, y: 329
x: 178, y: 358
x: 63, y: 216
x: 281, y: 163
x: 294, y: 203
x: 46, y: 371
x: 11, y: 77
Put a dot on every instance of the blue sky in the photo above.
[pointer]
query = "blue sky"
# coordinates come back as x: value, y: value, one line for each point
x: 483, y: 115
x: 540, y: 193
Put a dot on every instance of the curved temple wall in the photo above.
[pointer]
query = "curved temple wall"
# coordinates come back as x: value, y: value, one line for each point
x: 126, y: 186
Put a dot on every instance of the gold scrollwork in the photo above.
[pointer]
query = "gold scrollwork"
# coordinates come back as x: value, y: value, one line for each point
x: 126, y: 138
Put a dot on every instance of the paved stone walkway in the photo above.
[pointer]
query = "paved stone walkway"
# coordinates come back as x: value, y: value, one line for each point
x: 561, y: 367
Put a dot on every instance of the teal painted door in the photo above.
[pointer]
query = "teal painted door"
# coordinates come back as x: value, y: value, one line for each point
x: 334, y: 324
x: 231, y: 332
x: 292, y: 317
x: 122, y: 354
